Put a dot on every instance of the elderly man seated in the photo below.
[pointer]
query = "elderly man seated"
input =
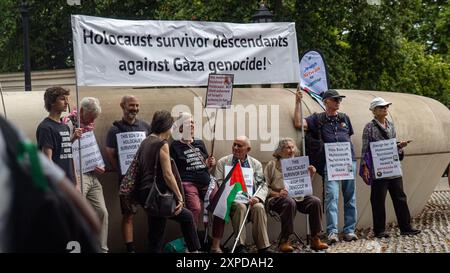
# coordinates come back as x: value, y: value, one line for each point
x: 241, y: 148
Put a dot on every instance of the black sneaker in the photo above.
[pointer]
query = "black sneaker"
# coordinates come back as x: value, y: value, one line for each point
x: 265, y: 250
x: 381, y: 235
x: 411, y: 231
x: 241, y: 249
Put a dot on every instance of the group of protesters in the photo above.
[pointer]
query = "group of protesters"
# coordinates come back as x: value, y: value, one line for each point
x: 198, y: 173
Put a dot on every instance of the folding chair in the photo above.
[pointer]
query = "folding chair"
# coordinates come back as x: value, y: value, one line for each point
x: 277, y: 218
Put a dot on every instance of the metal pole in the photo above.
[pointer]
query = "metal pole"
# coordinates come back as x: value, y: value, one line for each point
x: 79, y: 140
x: 3, y: 101
x: 243, y: 222
x: 26, y: 45
x: 308, y: 233
x: 78, y: 106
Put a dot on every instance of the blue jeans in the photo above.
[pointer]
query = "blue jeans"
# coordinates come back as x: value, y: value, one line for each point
x: 332, y: 201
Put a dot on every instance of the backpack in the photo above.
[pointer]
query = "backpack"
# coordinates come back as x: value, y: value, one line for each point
x: 314, y: 145
x: 42, y: 218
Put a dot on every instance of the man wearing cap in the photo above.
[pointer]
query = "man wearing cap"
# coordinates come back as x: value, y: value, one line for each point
x: 380, y: 128
x: 333, y: 127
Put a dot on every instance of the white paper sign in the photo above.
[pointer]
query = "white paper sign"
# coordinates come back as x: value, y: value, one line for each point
x: 220, y: 91
x: 339, y: 161
x: 248, y: 178
x: 128, y: 144
x: 90, y: 153
x: 386, y: 161
x: 111, y: 52
x: 296, y: 176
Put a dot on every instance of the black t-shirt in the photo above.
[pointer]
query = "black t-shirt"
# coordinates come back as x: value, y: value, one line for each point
x: 189, y: 164
x: 56, y: 136
x: 122, y: 126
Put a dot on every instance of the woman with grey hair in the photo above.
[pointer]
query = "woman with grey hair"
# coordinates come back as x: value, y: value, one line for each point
x: 380, y: 128
x: 193, y: 162
x: 286, y: 206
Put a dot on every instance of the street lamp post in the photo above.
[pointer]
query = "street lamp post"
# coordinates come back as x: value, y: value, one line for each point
x: 262, y: 15
x: 26, y: 45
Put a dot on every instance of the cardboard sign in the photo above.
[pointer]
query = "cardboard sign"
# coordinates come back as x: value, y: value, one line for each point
x: 386, y: 161
x: 220, y: 91
x: 248, y: 177
x: 90, y: 153
x: 127, y: 144
x: 296, y: 176
x: 339, y: 161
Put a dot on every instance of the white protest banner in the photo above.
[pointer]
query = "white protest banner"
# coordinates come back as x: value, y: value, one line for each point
x: 111, y: 52
x: 386, y: 161
x: 248, y: 177
x: 128, y: 144
x: 339, y: 161
x: 90, y: 153
x: 220, y: 91
x: 296, y: 176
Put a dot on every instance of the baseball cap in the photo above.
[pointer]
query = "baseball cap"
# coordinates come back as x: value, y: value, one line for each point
x: 378, y: 101
x: 331, y: 93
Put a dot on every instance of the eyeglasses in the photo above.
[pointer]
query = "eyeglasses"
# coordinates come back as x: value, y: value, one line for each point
x: 337, y: 99
x: 237, y: 145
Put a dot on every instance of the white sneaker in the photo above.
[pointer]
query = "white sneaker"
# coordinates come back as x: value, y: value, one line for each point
x: 333, y: 238
x: 348, y: 237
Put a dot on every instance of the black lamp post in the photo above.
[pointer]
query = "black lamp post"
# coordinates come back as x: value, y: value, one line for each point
x: 26, y: 45
x: 262, y: 15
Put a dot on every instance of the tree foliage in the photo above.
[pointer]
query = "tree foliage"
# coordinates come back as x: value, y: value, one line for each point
x: 397, y: 45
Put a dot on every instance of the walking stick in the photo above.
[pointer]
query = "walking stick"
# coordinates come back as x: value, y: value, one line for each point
x: 243, y: 222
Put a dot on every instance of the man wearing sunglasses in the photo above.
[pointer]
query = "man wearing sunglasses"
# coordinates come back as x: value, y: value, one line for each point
x: 332, y: 126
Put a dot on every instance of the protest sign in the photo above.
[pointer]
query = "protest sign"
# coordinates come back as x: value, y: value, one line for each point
x: 339, y: 161
x: 90, y: 153
x: 220, y: 91
x: 112, y: 52
x: 386, y: 161
x: 296, y: 176
x: 128, y: 144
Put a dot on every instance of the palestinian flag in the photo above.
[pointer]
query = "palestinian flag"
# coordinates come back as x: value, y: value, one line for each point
x: 234, y: 182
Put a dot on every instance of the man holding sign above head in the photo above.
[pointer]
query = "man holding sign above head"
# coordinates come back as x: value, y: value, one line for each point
x: 92, y: 162
x: 257, y: 193
x: 380, y: 168
x: 334, y: 130
x: 289, y: 183
x: 122, y: 142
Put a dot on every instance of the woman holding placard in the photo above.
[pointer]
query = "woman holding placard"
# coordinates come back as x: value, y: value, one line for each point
x: 380, y: 132
x: 286, y: 206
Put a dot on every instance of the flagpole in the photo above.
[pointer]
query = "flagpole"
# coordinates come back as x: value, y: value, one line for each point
x: 245, y: 219
x: 214, y: 133
x: 78, y: 107
x: 308, y: 233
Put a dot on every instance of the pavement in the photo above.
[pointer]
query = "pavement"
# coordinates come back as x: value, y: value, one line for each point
x: 434, y: 221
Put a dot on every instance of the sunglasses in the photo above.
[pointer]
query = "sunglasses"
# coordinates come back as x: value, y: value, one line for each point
x: 237, y: 145
x: 337, y: 99
x: 382, y: 107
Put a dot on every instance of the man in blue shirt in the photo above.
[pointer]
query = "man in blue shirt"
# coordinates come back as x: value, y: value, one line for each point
x: 333, y: 127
